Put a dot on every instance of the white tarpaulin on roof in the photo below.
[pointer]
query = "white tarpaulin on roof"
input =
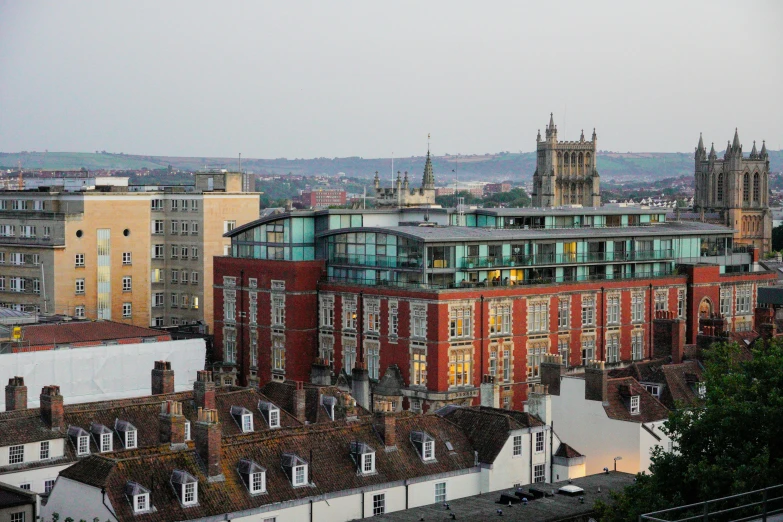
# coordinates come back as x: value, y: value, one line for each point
x: 102, y: 372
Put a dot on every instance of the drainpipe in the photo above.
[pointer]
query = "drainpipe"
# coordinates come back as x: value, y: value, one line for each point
x: 242, y: 347
x: 551, y: 450
x: 650, y: 324
x: 481, y: 333
x: 603, y: 324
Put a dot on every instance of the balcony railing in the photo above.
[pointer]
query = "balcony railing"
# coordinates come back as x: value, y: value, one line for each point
x: 478, y: 262
x: 380, y: 261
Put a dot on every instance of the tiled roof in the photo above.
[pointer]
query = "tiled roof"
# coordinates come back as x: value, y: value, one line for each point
x: 84, y: 331
x: 488, y: 428
x: 650, y: 408
x: 282, y: 394
x: 324, y: 447
x: 566, y: 451
x: 678, y: 390
x: 642, y: 371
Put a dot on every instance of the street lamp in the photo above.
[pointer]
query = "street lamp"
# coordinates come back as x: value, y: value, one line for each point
x: 615, y: 462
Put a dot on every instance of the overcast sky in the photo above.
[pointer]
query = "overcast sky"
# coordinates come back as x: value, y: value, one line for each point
x: 300, y: 80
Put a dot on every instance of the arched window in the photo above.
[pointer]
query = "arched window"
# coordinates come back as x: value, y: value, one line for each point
x: 719, y: 189
x: 566, y: 159
x: 587, y: 160
x: 573, y: 158
x: 756, y: 191
x: 746, y: 187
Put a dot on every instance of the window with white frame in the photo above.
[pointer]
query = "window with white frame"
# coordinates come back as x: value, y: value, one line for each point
x: 158, y: 299
x: 156, y: 204
x: 460, y: 321
x: 535, y: 353
x: 189, y: 494
x: 2, y: 258
x: 378, y: 504
x: 418, y: 364
x: 460, y: 362
x: 440, y: 492
x: 517, y: 446
x: 185, y: 227
x: 157, y: 226
x: 372, y: 316
x: 743, y: 300
x: 653, y: 389
x: 500, y: 319
x: 27, y: 486
x: 661, y: 300
x: 428, y: 450
x: 327, y: 311
x: 634, y: 404
x: 588, y: 310
x: 418, y: 320
x: 278, y: 353
x: 229, y: 306
x: 637, y: 307
x: 300, y: 475
x: 127, y: 310
x: 194, y: 228
x: 17, y: 258
x: 506, y: 362
x: 539, y: 441
x: 613, y: 309
x: 7, y: 230
x: 257, y: 482
x: 349, y: 353
x: 47, y: 231
x: 141, y: 502
x: 539, y: 473
x: 247, y: 423
x: 368, y: 462
x: 725, y: 301
x: 174, y: 252
x: 493, y: 360
x: 187, y: 430
x: 127, y: 283
x: 157, y: 251
x: 106, y: 442
x: 16, y: 454
x: 175, y: 227
x: 612, y: 348
x: 326, y: 350
x: 44, y: 450
x: 278, y: 309
x: 193, y: 278
x: 230, y: 345
x: 19, y: 516
x: 349, y: 312
x: 588, y: 349
x: 48, y: 486
x: 183, y: 252
x: 83, y: 445
x: 253, y: 348
x: 194, y: 252
x: 127, y: 258
x: 637, y: 345
x: 79, y: 262
x: 174, y: 300
x: 394, y: 318
x: 79, y: 287
x: 681, y: 303
x: 373, y: 357
x: 563, y: 344
x: 538, y: 316
x: 228, y: 226
x: 563, y: 313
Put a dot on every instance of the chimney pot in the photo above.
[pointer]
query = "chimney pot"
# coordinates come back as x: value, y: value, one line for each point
x: 162, y: 378
x: 208, y: 442
x: 171, y: 423
x: 204, y: 390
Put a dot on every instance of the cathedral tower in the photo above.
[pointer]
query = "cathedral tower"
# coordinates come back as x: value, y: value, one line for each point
x: 565, y: 171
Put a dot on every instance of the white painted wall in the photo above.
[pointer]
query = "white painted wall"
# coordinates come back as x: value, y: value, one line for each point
x: 459, y: 486
x: 74, y: 499
x: 32, y: 451
x: 647, y: 442
x: 35, y: 477
x: 102, y: 372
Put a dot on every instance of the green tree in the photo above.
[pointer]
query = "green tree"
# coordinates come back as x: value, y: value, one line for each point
x: 777, y: 238
x: 730, y: 446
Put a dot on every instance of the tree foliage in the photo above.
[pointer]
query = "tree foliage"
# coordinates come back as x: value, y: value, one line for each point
x: 732, y: 445
x: 777, y: 238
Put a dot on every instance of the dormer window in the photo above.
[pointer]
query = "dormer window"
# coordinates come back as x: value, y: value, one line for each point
x: 329, y: 403
x: 425, y: 445
x: 103, y: 437
x: 127, y: 432
x: 186, y: 487
x: 139, y: 497
x: 634, y: 405
x: 701, y: 390
x: 243, y: 417
x: 187, y: 430
x: 364, y: 457
x: 295, y: 468
x: 80, y: 440
x: 271, y: 413
x: 253, y: 475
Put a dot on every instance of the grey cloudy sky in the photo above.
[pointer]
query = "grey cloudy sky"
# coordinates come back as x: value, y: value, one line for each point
x: 307, y: 79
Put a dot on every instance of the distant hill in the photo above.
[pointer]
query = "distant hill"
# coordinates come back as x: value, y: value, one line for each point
x: 500, y: 166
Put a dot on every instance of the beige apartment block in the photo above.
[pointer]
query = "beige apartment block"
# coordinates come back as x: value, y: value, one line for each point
x: 141, y: 255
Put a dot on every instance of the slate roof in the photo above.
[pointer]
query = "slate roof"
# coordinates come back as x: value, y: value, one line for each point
x: 84, y: 331
x: 282, y: 394
x: 11, y: 496
x: 324, y: 447
x: 650, y: 408
x: 678, y: 390
x: 488, y: 428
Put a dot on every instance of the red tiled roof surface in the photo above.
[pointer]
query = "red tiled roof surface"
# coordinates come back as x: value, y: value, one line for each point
x: 566, y: 451
x: 85, y: 331
x: 678, y: 390
x: 282, y: 394
x: 650, y: 408
x: 488, y: 428
x: 324, y: 447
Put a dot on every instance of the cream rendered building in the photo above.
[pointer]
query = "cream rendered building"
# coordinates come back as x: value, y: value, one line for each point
x: 138, y: 256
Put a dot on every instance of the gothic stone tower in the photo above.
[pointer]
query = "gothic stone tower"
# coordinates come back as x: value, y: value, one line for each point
x: 565, y: 171
x: 737, y: 187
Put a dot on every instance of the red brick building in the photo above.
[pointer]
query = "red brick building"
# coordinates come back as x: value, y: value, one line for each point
x: 322, y: 198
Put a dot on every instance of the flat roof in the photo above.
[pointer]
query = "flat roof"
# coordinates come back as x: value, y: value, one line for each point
x: 428, y: 234
x: 484, y: 507
x: 570, y: 211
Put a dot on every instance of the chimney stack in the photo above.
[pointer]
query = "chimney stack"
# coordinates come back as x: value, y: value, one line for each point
x: 489, y: 392
x: 539, y: 402
x: 52, y: 411
x: 320, y: 373
x: 385, y: 424
x: 171, y: 424
x: 15, y: 394
x: 596, y: 386
x: 204, y: 390
x: 668, y: 336
x: 551, y: 370
x: 300, y: 402
x: 208, y: 443
x: 361, y: 385
x: 162, y: 378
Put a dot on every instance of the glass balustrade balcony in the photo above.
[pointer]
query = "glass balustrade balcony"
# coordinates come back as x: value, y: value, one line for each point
x: 485, y: 262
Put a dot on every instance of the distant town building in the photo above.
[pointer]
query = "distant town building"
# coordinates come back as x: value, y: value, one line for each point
x: 565, y: 171
x: 737, y: 187
x: 401, y: 195
x: 129, y: 254
x: 323, y: 198
x: 495, y: 188
x: 474, y: 189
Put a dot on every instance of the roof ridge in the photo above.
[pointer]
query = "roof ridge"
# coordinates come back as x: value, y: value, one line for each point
x: 85, y: 407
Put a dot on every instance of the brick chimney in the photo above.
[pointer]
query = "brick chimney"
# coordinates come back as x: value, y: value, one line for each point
x: 300, y: 402
x: 208, y: 444
x: 171, y: 423
x: 596, y: 386
x: 361, y: 385
x: 204, y: 390
x: 668, y: 336
x: 15, y: 394
x: 320, y: 373
x: 551, y: 370
x: 52, y: 412
x: 162, y: 378
x: 385, y: 424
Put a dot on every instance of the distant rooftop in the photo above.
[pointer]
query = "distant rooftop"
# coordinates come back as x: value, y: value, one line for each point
x: 84, y: 332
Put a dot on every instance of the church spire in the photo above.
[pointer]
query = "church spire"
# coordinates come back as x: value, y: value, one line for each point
x: 551, y: 120
x: 701, y: 143
x: 763, y: 153
x: 582, y: 137
x: 712, y: 151
x: 754, y: 153
x: 736, y: 143
x: 538, y: 137
x: 594, y: 134
x: 428, y: 180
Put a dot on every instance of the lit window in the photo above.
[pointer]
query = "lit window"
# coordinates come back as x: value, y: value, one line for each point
x: 372, y: 316
x: 460, y: 366
x: 535, y: 352
x: 349, y: 313
x: 500, y: 319
x: 419, y: 365
x: 460, y: 322
x: 278, y: 354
